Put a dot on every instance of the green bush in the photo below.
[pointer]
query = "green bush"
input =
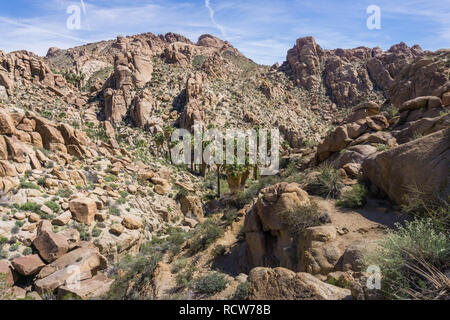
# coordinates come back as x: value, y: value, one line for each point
x: 230, y: 216
x: 242, y: 291
x: 31, y: 206
x: 246, y: 196
x: 340, y: 282
x: 4, y: 289
x: 198, y: 61
x: 420, y: 203
x: 96, y: 232
x: 211, y: 283
x: 184, y: 279
x: 53, y: 206
x: 138, y: 271
x: 382, y: 147
x: 354, y: 197
x: 205, y: 234
x: 300, y: 218
x: 219, y: 250
x: 28, y: 185
x: 326, y: 184
x: 84, y: 232
x: 399, y: 252
x: 64, y: 193
x: 175, y: 239
x: 178, y: 265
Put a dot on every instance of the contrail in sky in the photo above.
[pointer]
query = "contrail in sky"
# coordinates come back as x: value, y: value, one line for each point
x: 211, y: 15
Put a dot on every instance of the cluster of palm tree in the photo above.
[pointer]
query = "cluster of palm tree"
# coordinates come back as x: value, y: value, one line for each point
x: 237, y: 172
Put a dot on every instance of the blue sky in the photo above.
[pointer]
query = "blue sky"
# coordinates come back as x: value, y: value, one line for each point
x: 261, y: 29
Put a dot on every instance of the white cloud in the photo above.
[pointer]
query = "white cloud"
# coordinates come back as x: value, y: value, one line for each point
x: 261, y: 29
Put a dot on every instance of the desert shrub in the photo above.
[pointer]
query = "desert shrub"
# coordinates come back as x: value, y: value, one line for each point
x: 326, y: 184
x: 219, y: 250
x: 181, y: 194
x: 178, y: 265
x: 211, y: 283
x: 27, y: 251
x: 184, y: 279
x: 4, y: 293
x: 53, y: 206
x: 110, y: 178
x: 32, y: 207
x: 352, y: 198
x: 205, y: 234
x: 28, y: 185
x: 84, y: 232
x: 382, y: 147
x: 242, y: 291
x: 230, y: 216
x: 420, y: 203
x: 64, y: 193
x: 300, y: 218
x: 198, y: 61
x: 244, y: 197
x: 400, y: 252
x: 138, y: 273
x: 175, y: 239
x: 15, y: 229
x: 96, y: 232
x: 114, y: 211
x: 340, y: 282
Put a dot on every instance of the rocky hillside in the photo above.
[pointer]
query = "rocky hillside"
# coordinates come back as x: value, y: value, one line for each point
x: 88, y: 187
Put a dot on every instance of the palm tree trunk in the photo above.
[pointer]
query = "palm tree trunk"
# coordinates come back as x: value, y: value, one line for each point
x: 218, y: 182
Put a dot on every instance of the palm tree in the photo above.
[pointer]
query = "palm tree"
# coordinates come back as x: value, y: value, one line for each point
x: 167, y: 131
x: 159, y: 140
x: 237, y: 174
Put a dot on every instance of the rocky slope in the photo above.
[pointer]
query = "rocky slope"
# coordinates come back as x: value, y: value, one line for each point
x: 86, y: 184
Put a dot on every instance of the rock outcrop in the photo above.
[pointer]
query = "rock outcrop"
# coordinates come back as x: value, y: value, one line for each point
x: 284, y: 284
x: 421, y: 164
x: 269, y: 243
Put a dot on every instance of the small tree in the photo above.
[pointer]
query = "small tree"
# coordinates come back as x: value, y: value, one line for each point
x: 159, y: 140
x: 167, y: 132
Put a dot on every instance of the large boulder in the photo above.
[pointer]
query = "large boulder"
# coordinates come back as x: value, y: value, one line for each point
x: 16, y: 149
x: 192, y: 113
x: 334, y: 142
x: 423, y: 126
x: 428, y: 102
x: 284, y: 284
x: 143, y: 106
x: 318, y: 253
x: 6, y: 273
x: 132, y: 222
x: 88, y: 289
x: 50, y: 245
x: 194, y: 87
x: 28, y: 265
x: 192, y: 208
x: 116, y: 105
x: 79, y: 264
x: 6, y: 122
x: 83, y: 209
x: 304, y: 60
x: 363, y: 110
x: 142, y: 69
x: 268, y: 241
x: 353, y: 254
x: 421, y: 163
x: 3, y: 149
